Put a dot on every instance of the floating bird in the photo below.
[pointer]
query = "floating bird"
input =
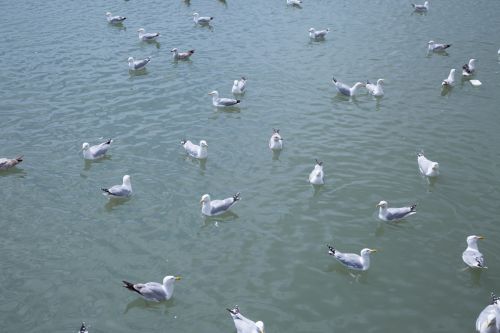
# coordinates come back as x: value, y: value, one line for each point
x: 199, y: 152
x: 320, y: 34
x: 450, y: 81
x: 243, y: 324
x: 239, y: 86
x: 352, y: 260
x: 138, y: 64
x: 83, y: 328
x: 217, y: 207
x: 488, y: 320
x: 470, y: 68
x: 222, y: 102
x: 147, y: 36
x: 316, y: 177
x: 181, y: 55
x: 394, y: 214
x: 436, y: 47
x: 297, y: 3
x: 201, y: 19
x: 154, y: 291
x: 345, y: 89
x: 276, y: 141
x: 427, y: 167
x: 97, y: 151
x: 119, y: 191
x: 421, y: 8
x: 115, y: 19
x: 7, y: 163
x: 471, y: 256
x: 375, y: 89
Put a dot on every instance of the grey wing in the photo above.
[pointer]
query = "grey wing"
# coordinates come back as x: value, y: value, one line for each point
x: 150, y: 35
x: 119, y: 191
x: 141, y: 63
x: 321, y: 33
x: 486, y: 319
x: 4, y: 163
x: 191, y: 148
x: 220, y: 206
x: 227, y: 101
x: 473, y: 258
x: 398, y: 213
x: 351, y: 260
x: 343, y: 89
x: 423, y: 164
x: 152, y: 290
x: 99, y: 150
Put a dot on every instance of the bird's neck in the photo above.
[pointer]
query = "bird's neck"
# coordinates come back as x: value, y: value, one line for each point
x: 365, y: 261
x: 472, y: 245
x: 205, y: 207
x: 169, y: 288
x: 354, y: 88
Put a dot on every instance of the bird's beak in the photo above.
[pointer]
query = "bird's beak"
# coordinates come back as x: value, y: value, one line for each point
x: 177, y: 278
x: 201, y: 201
x: 378, y: 205
x: 373, y: 250
x: 480, y: 237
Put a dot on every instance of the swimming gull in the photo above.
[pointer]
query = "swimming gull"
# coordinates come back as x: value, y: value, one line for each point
x: 319, y: 34
x: 470, y: 68
x: 119, y: 191
x: 316, y: 177
x: 181, y: 55
x: 222, y: 102
x: 436, y: 47
x: 147, y: 36
x: 115, y: 19
x: 217, y: 207
x: 276, y: 141
x: 488, y: 320
x: 394, y: 214
x: 83, y: 328
x: 201, y: 19
x: 297, y: 3
x: 352, y: 260
x: 196, y: 151
x: 7, y: 163
x: 154, y: 291
x: 138, y: 64
x: 239, y: 86
x: 450, y: 81
x: 243, y: 324
x: 97, y: 151
x: 471, y: 256
x: 375, y: 89
x: 427, y: 167
x: 345, y: 89
x: 421, y: 8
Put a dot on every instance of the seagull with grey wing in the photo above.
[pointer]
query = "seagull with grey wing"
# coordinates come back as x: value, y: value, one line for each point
x: 427, y: 167
x: 119, y: 191
x: 345, y: 89
x: 97, y: 151
x: 216, y: 207
x: 138, y: 64
x: 488, y: 320
x: 147, y: 36
x: 7, y: 163
x: 471, y: 256
x: 222, y: 102
x: 243, y: 324
x: 318, y: 34
x: 115, y: 19
x: 437, y: 47
x: 196, y: 151
x: 176, y: 55
x: 154, y: 291
x: 421, y: 8
x: 353, y: 261
x: 394, y: 214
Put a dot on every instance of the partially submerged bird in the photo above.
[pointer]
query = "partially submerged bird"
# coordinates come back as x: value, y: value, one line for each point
x: 316, y: 177
x: 352, y: 260
x: 427, y: 167
x: 239, y: 86
x: 318, y: 34
x: 83, y: 328
x: 181, y: 55
x: 488, y: 320
x: 199, y: 152
x: 421, y: 8
x: 345, y: 89
x: 450, y: 80
x: 119, y: 191
x: 201, y: 19
x: 375, y: 89
x: 217, y: 207
x: 276, y: 141
x: 222, y: 102
x: 138, y: 64
x: 470, y: 68
x: 297, y: 3
x: 147, y: 36
x: 436, y: 47
x: 243, y: 324
x: 394, y: 214
x: 97, y: 151
x: 154, y: 291
x: 471, y: 256
x: 115, y: 19
x: 7, y: 163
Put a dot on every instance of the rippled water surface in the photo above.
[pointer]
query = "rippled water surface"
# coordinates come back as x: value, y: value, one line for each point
x: 65, y: 248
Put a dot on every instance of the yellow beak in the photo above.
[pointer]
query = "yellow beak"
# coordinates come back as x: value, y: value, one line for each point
x: 373, y: 250
x: 481, y: 237
x: 177, y: 278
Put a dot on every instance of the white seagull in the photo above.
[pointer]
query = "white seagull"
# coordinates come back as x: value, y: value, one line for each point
x: 217, y: 207
x: 450, y: 81
x: 7, y: 163
x: 115, y: 19
x: 119, y: 191
x: 83, y: 328
x: 436, y: 47
x: 201, y: 19
x: 471, y: 256
x: 470, y: 68
x: 297, y: 3
x: 345, y: 89
x: 421, y: 8
x: 154, y: 291
x: 375, y: 89
x: 394, y: 214
x: 222, y: 102
x: 353, y: 260
x: 138, y: 64
x: 488, y: 320
x: 276, y: 141
x: 199, y: 152
x: 147, y: 36
x: 239, y: 86
x: 316, y: 177
x: 427, y: 167
x: 97, y: 151
x: 243, y: 324
x: 319, y: 34
x: 181, y: 55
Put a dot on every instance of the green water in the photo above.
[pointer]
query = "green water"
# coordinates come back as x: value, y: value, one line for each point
x: 65, y: 248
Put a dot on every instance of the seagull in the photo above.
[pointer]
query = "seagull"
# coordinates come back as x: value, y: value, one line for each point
x: 436, y: 47
x: 316, y: 177
x: 7, y: 163
x: 154, y: 291
x: 182, y: 55
x: 243, y: 324
x: 375, y: 89
x: 119, y: 191
x: 488, y: 320
x: 320, y: 34
x: 97, y: 151
x: 239, y: 86
x: 352, y: 260
x: 394, y: 214
x: 83, y: 328
x: 138, y: 64
x: 421, y: 8
x: 450, y: 81
x: 470, y: 68
x: 201, y: 19
x: 217, y: 207
x: 427, y: 167
x: 216, y: 101
x: 471, y: 256
x: 345, y: 89
x: 294, y: 2
x: 115, y: 19
x: 147, y: 36
x: 276, y: 141
x: 199, y: 152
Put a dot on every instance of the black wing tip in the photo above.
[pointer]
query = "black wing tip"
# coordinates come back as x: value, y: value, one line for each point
x: 237, y: 197
x: 105, y: 190
x: 19, y: 158
x: 318, y: 162
x: 183, y: 142
x: 331, y: 249
x: 109, y: 141
x: 413, y: 208
x: 333, y: 78
x: 447, y: 46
